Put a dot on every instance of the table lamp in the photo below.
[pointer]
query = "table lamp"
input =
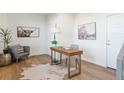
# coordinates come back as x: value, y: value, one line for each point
x: 55, y: 30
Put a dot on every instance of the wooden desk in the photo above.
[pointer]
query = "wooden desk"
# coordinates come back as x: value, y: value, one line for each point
x: 68, y: 53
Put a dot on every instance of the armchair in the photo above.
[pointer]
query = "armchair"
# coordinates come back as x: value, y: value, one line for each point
x: 19, y: 51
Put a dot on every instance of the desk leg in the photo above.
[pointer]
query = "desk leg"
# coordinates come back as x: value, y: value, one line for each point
x: 51, y: 57
x: 79, y: 63
x: 69, y: 67
x: 55, y: 56
x: 78, y: 71
x: 60, y: 57
x: 54, y: 61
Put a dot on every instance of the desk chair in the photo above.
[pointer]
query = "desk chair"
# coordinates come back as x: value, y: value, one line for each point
x: 75, y: 47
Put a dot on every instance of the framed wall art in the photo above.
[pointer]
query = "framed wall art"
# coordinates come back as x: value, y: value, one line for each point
x: 23, y: 31
x: 87, y: 31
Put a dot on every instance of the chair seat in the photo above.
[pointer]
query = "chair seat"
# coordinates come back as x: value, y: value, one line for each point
x: 23, y: 54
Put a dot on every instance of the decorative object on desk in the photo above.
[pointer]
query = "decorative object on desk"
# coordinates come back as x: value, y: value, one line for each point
x: 48, y: 72
x: 55, y: 30
x: 6, y: 36
x: 66, y: 48
x: 23, y: 31
x: 61, y: 47
x: 87, y: 31
x: 54, y: 42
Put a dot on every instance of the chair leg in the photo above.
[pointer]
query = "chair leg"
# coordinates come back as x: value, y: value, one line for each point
x: 25, y: 57
x: 17, y: 60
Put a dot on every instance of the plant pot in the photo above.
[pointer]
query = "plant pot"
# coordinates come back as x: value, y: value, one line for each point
x: 5, y: 51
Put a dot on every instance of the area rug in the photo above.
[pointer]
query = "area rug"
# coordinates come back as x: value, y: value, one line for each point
x: 44, y: 72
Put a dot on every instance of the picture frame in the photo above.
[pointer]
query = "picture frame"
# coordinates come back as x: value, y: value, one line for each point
x: 25, y: 31
x: 87, y: 31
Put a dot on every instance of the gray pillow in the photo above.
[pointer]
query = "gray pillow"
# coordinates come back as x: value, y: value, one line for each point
x: 20, y: 49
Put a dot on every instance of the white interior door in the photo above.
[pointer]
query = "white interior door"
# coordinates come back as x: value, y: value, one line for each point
x: 115, y: 38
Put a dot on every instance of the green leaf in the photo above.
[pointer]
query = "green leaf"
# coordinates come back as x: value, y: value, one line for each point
x: 1, y: 33
x: 2, y: 30
x: 6, y: 36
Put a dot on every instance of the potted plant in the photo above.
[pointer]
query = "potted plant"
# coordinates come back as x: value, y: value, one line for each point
x: 6, y: 36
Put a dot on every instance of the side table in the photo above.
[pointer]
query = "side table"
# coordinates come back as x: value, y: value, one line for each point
x: 5, y: 59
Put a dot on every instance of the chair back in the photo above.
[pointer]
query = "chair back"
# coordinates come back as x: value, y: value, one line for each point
x: 74, y: 46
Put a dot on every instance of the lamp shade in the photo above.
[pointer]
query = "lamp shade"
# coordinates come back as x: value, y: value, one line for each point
x: 55, y: 29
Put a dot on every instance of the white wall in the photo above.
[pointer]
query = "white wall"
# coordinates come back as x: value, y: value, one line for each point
x: 66, y: 25
x: 94, y: 50
x: 38, y: 44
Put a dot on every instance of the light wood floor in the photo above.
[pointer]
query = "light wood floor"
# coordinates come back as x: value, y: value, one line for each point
x: 89, y: 71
